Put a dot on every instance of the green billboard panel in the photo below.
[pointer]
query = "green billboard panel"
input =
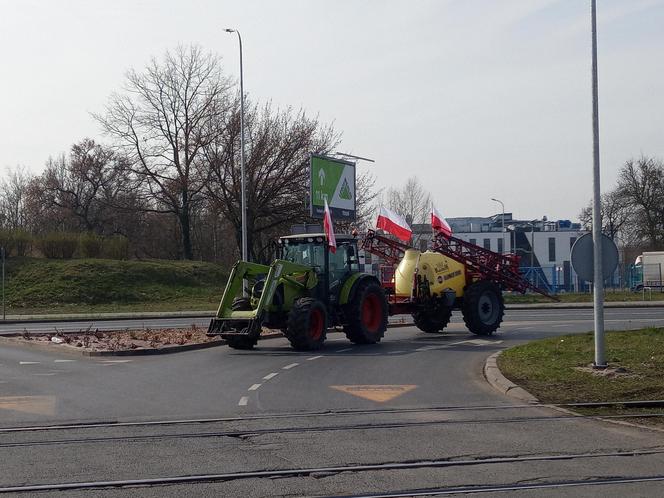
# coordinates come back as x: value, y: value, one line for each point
x: 334, y: 180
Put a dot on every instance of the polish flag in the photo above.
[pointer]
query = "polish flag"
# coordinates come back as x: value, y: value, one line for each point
x: 439, y: 224
x: 393, y: 223
x: 329, y: 229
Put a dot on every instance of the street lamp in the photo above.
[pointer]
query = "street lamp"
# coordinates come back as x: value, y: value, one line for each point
x: 243, y: 202
x: 503, y: 219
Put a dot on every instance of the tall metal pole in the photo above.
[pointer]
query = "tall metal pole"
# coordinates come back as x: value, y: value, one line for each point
x: 532, y: 252
x: 243, y: 202
x: 503, y: 218
x: 598, y: 284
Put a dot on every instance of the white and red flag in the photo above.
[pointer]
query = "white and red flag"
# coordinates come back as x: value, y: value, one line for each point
x: 439, y: 224
x: 329, y: 229
x: 393, y: 223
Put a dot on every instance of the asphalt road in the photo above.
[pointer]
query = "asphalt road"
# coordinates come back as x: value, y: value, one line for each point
x: 416, y: 404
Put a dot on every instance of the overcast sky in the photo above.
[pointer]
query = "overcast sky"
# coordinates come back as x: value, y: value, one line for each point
x: 477, y: 98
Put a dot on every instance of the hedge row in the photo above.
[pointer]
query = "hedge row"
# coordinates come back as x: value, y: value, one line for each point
x: 64, y: 245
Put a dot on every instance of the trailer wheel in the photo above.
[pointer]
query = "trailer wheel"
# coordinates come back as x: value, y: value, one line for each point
x: 244, y: 341
x: 433, y: 321
x: 366, y: 314
x: 307, y: 324
x: 483, y: 307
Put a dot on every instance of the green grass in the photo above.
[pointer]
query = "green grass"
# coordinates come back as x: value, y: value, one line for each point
x: 97, y: 285
x: 578, y: 297
x: 549, y: 369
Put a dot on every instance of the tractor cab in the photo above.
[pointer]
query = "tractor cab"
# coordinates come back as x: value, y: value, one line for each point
x: 332, y: 269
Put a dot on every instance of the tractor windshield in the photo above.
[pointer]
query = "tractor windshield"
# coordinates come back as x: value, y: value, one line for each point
x: 305, y: 253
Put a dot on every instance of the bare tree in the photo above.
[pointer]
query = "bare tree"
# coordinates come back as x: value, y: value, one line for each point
x: 13, y: 198
x: 412, y: 201
x: 641, y: 185
x: 617, y: 214
x: 279, y: 143
x: 167, y: 116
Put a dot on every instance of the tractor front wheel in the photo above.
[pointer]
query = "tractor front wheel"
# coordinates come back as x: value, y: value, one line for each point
x: 366, y: 314
x: 483, y: 307
x: 307, y: 324
x: 241, y: 341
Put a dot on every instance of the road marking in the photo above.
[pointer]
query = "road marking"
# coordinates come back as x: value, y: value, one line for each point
x: 426, y: 348
x: 482, y: 342
x: 115, y: 361
x: 254, y: 387
x: 343, y: 350
x: 45, y: 374
x: 395, y: 352
x: 377, y: 393
x: 28, y: 362
x: 558, y: 326
x: 39, y: 405
x: 292, y: 365
x: 243, y: 401
x: 63, y: 361
x: 271, y: 376
x: 313, y: 358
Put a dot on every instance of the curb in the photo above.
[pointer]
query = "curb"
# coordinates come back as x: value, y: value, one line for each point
x: 498, y: 381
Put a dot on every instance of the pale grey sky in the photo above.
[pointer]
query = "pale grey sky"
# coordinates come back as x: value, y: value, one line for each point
x: 478, y: 98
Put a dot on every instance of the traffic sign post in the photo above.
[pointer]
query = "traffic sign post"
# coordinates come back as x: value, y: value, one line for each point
x: 332, y: 180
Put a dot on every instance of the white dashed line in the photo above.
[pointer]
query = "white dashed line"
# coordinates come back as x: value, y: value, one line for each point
x: 426, y: 348
x: 271, y: 376
x: 558, y: 326
x: 63, y: 361
x: 292, y: 365
x: 243, y: 401
x: 344, y: 350
x: 45, y: 374
x: 115, y: 361
x: 395, y: 352
x: 254, y: 387
x: 313, y: 358
x: 28, y: 362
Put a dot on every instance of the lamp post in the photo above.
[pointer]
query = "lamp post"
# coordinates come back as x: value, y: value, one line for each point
x: 503, y: 220
x: 598, y: 283
x: 243, y: 202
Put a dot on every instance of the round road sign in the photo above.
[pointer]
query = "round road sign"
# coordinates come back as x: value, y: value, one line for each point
x: 582, y: 257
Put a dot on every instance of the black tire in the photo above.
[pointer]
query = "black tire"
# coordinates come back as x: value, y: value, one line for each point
x: 483, y: 307
x: 433, y: 321
x: 307, y: 324
x: 366, y: 314
x: 244, y: 341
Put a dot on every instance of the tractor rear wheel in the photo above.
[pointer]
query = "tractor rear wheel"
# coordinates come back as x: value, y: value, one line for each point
x: 307, y: 324
x: 242, y: 341
x: 433, y: 321
x: 366, y: 314
x: 483, y: 307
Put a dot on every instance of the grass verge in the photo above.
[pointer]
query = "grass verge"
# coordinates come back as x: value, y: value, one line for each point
x: 557, y: 370
x: 584, y: 297
x: 97, y: 285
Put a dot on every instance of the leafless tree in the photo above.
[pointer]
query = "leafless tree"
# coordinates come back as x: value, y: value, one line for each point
x: 163, y: 121
x: 13, y: 197
x: 278, y: 145
x: 617, y: 214
x: 641, y: 185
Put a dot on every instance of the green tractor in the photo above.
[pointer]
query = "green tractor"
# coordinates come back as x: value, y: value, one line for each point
x: 306, y: 291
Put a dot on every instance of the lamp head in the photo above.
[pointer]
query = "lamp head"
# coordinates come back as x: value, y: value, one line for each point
x: 229, y: 30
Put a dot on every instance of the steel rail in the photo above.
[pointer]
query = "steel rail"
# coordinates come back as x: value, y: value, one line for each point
x: 300, y: 472
x: 331, y: 413
x: 320, y: 429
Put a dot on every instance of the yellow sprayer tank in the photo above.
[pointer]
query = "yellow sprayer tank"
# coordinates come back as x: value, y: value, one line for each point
x: 442, y: 273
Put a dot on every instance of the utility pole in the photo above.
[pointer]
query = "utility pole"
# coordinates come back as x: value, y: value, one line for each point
x: 598, y: 283
x: 4, y: 314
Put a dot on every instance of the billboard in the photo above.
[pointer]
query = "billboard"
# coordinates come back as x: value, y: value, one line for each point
x: 334, y: 180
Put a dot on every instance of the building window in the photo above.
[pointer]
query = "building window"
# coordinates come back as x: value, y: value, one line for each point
x: 473, y: 241
x: 571, y: 241
x: 487, y: 244
x: 500, y: 246
x: 552, y: 248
